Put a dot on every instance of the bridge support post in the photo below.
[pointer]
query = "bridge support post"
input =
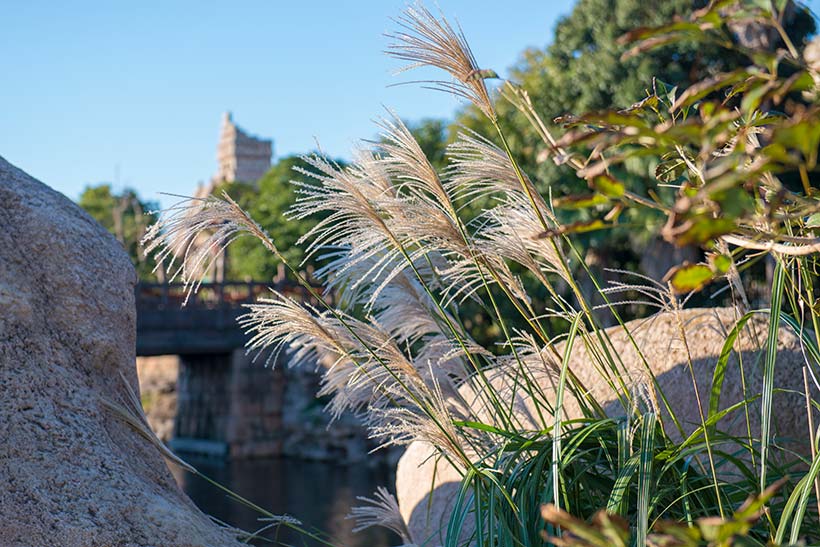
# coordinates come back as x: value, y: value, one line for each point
x: 228, y: 406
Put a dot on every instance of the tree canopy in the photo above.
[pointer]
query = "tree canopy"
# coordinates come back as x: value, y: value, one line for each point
x: 582, y: 70
x: 126, y: 216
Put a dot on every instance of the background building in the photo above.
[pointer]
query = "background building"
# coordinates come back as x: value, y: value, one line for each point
x: 242, y: 157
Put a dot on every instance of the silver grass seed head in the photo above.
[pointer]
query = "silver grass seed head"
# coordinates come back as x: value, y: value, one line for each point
x: 281, y: 323
x: 430, y: 420
x: 480, y: 171
x: 380, y: 510
x: 404, y: 160
x: 189, y: 236
x: 364, y: 365
x: 424, y: 40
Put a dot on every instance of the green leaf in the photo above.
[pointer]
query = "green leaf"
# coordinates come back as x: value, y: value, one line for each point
x: 576, y: 228
x: 483, y: 74
x: 702, y: 229
x: 614, y: 527
x: 723, y: 361
x: 584, y: 532
x: 734, y: 202
x: 804, y: 488
x: 605, y: 118
x: 583, y: 227
x: 778, y: 289
x: 720, y: 263
x: 559, y: 410
x: 680, y: 534
x: 621, y: 486
x: 711, y: 528
x: 690, y: 277
x: 755, y: 95
x: 665, y: 91
x: 752, y: 508
x: 813, y: 221
x: 641, y: 106
x: 645, y: 475
x: 705, y: 87
x: 608, y: 186
x: 670, y: 171
x: 581, y: 201
x: 804, y: 135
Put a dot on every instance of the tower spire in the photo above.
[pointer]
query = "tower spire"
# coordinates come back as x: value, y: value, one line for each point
x: 241, y: 156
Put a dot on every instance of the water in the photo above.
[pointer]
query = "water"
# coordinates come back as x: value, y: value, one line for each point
x: 319, y: 494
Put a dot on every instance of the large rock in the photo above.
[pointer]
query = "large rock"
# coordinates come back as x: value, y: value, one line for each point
x: 72, y: 473
x: 426, y: 501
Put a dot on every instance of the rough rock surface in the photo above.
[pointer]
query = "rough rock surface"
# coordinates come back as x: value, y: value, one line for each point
x: 72, y: 473
x: 427, y: 514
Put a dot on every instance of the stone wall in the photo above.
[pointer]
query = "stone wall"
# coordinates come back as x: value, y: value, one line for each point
x: 256, y: 395
x: 158, y: 391
x: 250, y: 409
x: 307, y: 430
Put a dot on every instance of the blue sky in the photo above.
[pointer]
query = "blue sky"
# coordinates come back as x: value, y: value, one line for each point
x: 133, y: 92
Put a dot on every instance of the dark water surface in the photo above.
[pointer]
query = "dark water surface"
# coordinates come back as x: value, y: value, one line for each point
x: 319, y: 494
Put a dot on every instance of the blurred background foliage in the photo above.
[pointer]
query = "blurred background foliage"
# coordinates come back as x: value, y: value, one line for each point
x: 267, y: 201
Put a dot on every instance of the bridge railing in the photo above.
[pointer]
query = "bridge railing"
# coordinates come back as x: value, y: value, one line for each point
x: 207, y: 324
x: 228, y: 294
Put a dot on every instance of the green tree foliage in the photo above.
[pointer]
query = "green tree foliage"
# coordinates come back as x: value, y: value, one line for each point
x: 126, y: 216
x: 582, y: 71
x: 267, y: 202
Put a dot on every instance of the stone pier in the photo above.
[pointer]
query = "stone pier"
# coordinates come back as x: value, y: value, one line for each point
x: 228, y: 406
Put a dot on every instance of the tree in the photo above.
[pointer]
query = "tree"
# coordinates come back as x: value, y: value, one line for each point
x: 267, y: 201
x: 126, y: 216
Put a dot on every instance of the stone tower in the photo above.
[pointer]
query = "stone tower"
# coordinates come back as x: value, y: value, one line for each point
x: 242, y: 157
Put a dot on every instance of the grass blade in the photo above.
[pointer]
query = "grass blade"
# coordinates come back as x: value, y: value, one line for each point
x: 768, y: 370
x: 648, y: 430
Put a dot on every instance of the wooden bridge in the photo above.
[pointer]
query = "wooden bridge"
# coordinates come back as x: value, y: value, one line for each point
x: 226, y: 405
